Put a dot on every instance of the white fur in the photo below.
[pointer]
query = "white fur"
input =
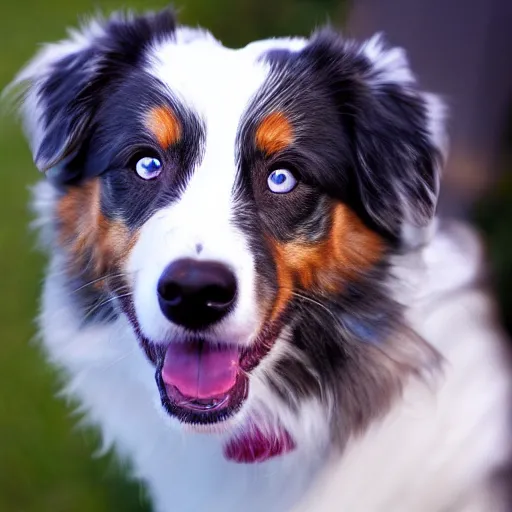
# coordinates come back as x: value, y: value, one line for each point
x: 203, y: 215
x: 432, y: 453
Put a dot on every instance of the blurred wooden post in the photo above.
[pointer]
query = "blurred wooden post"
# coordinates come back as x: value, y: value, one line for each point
x: 462, y: 50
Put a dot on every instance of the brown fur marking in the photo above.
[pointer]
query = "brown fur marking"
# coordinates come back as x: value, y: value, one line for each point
x: 323, y: 267
x: 274, y: 133
x: 164, y: 125
x: 92, y: 241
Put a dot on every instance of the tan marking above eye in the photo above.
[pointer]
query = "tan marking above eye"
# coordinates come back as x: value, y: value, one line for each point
x: 323, y: 267
x: 164, y: 125
x: 274, y: 133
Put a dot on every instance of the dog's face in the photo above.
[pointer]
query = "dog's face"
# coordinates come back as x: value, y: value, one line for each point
x: 240, y: 209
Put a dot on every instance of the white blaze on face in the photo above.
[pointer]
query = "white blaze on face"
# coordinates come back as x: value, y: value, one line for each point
x: 217, y: 84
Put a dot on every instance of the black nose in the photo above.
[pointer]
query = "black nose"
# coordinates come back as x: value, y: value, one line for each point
x: 196, y: 294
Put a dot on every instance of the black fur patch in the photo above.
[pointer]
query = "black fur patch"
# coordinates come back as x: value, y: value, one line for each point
x: 94, y: 103
x: 365, y: 144
x: 78, y: 84
x: 368, y: 148
x: 121, y: 138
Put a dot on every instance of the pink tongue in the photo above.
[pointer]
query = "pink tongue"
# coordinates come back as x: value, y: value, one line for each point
x: 200, y: 371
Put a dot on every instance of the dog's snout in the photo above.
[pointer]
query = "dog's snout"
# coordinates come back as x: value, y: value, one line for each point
x: 196, y: 294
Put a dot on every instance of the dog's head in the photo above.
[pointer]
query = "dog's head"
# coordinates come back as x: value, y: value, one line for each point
x: 240, y: 209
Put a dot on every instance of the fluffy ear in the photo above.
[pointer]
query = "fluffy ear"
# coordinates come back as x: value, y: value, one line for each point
x: 397, y: 131
x: 65, y: 83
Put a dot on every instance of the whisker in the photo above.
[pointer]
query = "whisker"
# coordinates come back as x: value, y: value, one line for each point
x: 121, y: 288
x: 310, y: 299
x: 119, y: 359
x: 317, y: 303
x: 90, y: 283
x: 103, y: 303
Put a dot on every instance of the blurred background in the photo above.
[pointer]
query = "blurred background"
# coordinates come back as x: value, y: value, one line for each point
x: 464, y: 53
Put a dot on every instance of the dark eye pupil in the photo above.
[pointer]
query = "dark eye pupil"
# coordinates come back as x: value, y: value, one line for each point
x: 279, y: 178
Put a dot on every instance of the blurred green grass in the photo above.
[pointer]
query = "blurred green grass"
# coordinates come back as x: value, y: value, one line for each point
x: 45, y: 464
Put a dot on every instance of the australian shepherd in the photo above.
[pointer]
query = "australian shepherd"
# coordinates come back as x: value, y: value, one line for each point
x: 248, y: 289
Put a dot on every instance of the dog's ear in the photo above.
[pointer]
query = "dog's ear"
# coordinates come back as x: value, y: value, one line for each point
x: 396, y: 131
x: 64, y: 85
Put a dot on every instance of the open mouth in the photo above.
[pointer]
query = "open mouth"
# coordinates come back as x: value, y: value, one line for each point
x: 201, y: 382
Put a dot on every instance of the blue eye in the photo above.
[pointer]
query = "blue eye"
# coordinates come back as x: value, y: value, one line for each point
x: 148, y: 167
x: 281, y: 181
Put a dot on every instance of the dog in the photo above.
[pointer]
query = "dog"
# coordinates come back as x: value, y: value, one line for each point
x: 248, y: 288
